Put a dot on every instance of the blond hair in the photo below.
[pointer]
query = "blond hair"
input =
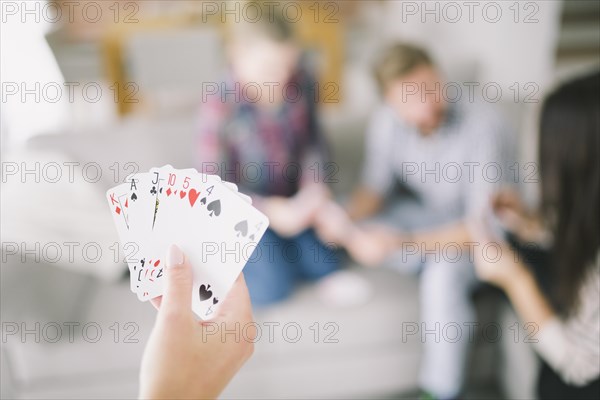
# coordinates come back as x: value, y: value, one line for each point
x: 269, y: 24
x: 397, y: 61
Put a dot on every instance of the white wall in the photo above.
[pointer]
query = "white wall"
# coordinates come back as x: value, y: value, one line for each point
x: 505, y: 51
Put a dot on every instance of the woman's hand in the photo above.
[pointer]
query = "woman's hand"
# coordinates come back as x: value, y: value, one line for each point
x: 185, y: 358
x: 516, y: 218
x: 495, y: 262
x: 498, y: 264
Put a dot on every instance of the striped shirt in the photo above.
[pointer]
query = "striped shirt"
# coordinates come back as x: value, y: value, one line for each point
x: 572, y: 346
x: 266, y: 152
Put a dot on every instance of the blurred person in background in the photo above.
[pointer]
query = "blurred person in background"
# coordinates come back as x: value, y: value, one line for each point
x: 426, y: 144
x: 555, y: 284
x: 261, y: 132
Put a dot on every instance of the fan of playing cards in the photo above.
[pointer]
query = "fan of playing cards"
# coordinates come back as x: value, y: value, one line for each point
x: 216, y: 227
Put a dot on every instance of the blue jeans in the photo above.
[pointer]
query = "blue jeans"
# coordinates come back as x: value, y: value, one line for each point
x: 278, y: 264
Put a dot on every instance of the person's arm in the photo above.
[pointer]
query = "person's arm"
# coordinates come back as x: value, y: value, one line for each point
x: 572, y: 347
x: 451, y: 233
x: 186, y: 358
x: 508, y: 272
x: 527, y: 298
x: 372, y: 244
x: 364, y: 203
x: 389, y: 240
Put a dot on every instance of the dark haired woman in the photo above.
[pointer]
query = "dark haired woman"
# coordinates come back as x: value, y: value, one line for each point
x: 559, y: 290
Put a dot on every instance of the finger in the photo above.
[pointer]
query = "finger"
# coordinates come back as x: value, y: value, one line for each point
x: 177, y: 296
x: 510, y: 218
x: 506, y: 199
x: 237, y: 306
x: 156, y: 302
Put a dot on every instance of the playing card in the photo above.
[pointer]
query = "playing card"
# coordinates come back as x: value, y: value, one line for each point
x: 219, y: 237
x: 234, y: 188
x: 214, y: 224
x: 140, y: 212
x: 117, y: 201
x: 120, y: 205
x: 174, y: 188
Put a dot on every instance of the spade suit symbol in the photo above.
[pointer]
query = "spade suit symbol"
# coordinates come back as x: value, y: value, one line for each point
x: 214, y: 208
x: 241, y: 228
x: 205, y: 293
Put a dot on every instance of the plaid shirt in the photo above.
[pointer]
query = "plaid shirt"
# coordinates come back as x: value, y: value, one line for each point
x: 265, y: 151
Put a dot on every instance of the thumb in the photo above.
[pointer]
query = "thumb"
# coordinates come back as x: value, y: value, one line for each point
x: 177, y: 297
x: 237, y: 306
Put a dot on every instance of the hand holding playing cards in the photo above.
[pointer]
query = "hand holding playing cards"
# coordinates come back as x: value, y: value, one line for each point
x: 185, y: 358
x: 215, y: 224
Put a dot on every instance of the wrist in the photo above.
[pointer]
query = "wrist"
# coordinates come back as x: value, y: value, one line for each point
x: 349, y: 236
x: 518, y: 282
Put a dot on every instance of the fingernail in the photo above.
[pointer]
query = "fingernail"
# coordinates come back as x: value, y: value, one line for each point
x: 174, y: 256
